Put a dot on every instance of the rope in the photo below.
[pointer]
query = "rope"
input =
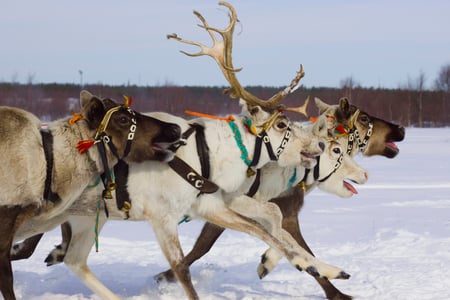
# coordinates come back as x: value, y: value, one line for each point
x: 239, y: 143
x: 97, y: 213
x: 202, y: 115
x: 186, y: 219
x: 96, y: 225
x: 292, y: 179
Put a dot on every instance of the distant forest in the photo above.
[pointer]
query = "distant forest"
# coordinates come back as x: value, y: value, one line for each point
x: 409, y: 107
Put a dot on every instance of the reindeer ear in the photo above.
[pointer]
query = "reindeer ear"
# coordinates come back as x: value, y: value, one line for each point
x: 109, y: 103
x: 322, y: 106
x: 344, y: 105
x: 320, y: 126
x: 85, y: 97
x: 92, y: 109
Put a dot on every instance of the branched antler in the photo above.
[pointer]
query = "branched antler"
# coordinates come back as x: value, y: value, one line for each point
x: 221, y: 52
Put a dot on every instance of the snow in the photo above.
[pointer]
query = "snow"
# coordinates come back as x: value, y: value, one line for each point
x: 393, y: 238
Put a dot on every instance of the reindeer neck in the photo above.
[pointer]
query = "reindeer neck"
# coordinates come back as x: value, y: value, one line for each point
x: 72, y: 171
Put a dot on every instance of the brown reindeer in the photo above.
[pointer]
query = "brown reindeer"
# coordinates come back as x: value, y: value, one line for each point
x: 43, y: 171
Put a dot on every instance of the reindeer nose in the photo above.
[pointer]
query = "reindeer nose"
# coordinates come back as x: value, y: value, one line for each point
x: 172, y: 132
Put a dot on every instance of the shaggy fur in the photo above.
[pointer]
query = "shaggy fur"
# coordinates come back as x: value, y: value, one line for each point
x: 23, y: 164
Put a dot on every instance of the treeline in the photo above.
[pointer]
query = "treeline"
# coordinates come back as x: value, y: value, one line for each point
x: 418, y: 108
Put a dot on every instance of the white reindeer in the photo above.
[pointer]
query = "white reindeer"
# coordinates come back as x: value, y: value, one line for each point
x: 42, y: 173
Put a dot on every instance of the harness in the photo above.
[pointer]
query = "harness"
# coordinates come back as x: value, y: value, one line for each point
x: 353, y: 135
x: 317, y: 169
x: 200, y: 182
x: 47, y: 144
x: 102, y: 140
x: 261, y: 138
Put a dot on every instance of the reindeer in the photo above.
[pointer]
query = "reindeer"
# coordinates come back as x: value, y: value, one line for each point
x: 366, y: 134
x: 43, y: 173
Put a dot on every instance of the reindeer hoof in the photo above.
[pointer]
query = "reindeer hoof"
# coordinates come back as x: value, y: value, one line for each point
x: 343, y: 275
x: 312, y: 271
x: 262, y: 271
x: 166, y: 276
x: 298, y: 268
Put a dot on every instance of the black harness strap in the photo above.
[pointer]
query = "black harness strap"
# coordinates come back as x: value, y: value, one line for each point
x: 262, y: 137
x: 184, y: 136
x: 121, y: 177
x: 192, y: 177
x: 47, y: 143
x: 255, y: 185
x: 202, y: 149
x: 317, y: 167
x: 198, y: 181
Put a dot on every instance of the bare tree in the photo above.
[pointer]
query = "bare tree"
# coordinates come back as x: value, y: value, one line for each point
x: 442, y: 83
x: 347, y: 86
x: 416, y: 86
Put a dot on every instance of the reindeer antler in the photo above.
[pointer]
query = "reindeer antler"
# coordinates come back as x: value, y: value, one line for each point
x: 221, y: 52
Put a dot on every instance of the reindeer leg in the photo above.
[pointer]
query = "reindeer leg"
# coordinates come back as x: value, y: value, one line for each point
x: 9, y: 216
x: 26, y: 248
x: 78, y: 252
x: 208, y: 236
x: 297, y: 256
x: 57, y: 255
x: 290, y: 207
x: 167, y: 235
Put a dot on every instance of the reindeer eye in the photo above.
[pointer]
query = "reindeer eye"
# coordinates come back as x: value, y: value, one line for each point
x: 282, y: 124
x: 254, y: 110
x: 337, y: 150
x: 364, y: 118
x: 123, y: 120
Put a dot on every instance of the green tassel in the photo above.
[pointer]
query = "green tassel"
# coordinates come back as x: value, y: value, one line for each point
x: 240, y: 144
x: 96, y: 225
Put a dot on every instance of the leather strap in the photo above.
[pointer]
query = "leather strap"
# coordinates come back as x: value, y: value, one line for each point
x: 192, y: 177
x: 47, y: 143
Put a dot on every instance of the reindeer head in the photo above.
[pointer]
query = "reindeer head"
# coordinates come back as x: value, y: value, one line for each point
x: 135, y: 137
x: 373, y: 136
x: 337, y: 169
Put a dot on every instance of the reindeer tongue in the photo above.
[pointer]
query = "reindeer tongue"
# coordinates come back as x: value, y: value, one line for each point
x: 392, y: 145
x: 350, y: 187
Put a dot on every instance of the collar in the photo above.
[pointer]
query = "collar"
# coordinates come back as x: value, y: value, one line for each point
x: 362, y: 143
x: 261, y: 138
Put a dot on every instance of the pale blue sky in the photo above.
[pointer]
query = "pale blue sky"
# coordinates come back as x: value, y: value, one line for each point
x: 377, y: 43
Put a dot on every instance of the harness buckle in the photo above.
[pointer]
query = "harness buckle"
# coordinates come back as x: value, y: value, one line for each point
x: 250, y: 172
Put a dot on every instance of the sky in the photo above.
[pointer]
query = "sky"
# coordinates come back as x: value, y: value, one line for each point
x: 383, y: 43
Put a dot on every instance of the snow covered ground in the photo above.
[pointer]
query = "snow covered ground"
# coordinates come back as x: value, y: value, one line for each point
x: 393, y: 238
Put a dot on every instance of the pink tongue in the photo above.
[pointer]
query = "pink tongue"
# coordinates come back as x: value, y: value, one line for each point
x: 350, y: 187
x: 392, y: 145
